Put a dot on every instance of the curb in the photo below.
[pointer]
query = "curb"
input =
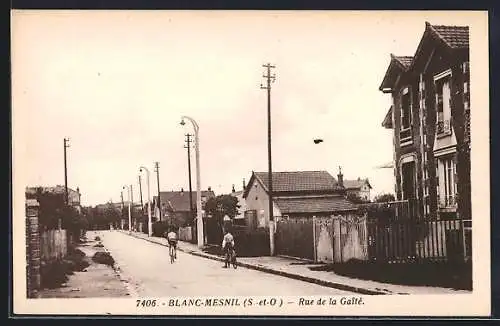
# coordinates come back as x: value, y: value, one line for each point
x: 329, y: 284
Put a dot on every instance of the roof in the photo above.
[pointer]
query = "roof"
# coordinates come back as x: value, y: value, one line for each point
x: 297, y: 181
x: 179, y: 200
x: 454, y: 37
x: 356, y: 184
x: 387, y: 122
x: 405, y: 61
x: 321, y: 204
x: 55, y: 189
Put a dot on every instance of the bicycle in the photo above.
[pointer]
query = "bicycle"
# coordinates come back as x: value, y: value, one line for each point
x: 231, y: 258
x: 172, y: 252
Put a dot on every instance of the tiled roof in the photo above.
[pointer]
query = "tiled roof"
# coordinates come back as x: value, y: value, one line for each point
x: 354, y: 184
x: 179, y: 200
x: 299, y: 181
x: 405, y: 61
x: 314, y: 204
x: 456, y: 37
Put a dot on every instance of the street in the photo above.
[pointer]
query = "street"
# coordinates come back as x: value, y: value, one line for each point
x: 148, y: 269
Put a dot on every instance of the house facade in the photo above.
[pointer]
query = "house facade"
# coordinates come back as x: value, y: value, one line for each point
x: 295, y: 194
x: 430, y: 121
x: 359, y: 187
x: 176, y: 205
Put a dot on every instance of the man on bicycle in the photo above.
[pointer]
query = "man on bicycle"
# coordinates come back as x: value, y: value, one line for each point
x: 227, y: 245
x: 172, y: 241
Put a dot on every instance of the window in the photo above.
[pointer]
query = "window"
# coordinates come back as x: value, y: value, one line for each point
x: 447, y: 186
x: 405, y: 110
x: 443, y: 103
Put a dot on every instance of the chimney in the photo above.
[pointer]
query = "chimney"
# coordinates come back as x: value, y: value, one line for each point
x: 244, y: 184
x: 209, y: 188
x: 340, y: 177
x: 182, y: 191
x: 233, y: 190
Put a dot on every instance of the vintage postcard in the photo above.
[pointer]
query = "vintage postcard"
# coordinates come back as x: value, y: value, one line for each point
x: 244, y: 163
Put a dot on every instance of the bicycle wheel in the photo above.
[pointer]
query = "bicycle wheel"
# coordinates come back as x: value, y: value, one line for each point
x: 233, y: 258
x: 172, y: 255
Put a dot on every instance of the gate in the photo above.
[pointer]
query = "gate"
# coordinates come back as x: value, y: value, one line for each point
x: 323, y: 239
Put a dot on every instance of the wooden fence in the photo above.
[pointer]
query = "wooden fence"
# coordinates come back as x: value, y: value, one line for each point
x: 294, y: 237
x: 53, y: 244
x: 185, y: 233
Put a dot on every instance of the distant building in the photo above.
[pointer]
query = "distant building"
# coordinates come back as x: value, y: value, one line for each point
x: 74, y: 196
x: 359, y: 187
x: 175, y: 205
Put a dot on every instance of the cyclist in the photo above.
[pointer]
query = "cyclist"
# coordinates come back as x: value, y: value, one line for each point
x: 172, y: 241
x: 227, y: 244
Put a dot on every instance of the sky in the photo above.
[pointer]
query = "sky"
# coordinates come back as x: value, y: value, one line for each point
x: 117, y: 83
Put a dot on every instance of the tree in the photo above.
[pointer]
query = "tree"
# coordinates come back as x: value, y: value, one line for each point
x: 384, y: 198
x: 220, y: 206
x: 356, y: 199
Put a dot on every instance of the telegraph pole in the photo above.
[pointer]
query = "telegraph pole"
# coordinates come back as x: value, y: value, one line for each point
x: 188, y: 146
x: 66, y: 145
x: 269, y: 80
x: 132, y: 202
x: 157, y: 170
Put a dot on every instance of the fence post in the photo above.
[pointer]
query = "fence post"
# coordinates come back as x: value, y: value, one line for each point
x: 314, y: 238
x: 32, y: 248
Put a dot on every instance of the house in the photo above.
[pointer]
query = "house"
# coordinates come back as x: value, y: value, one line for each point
x: 430, y: 121
x: 241, y: 202
x: 74, y: 196
x: 175, y: 205
x: 295, y: 194
x: 359, y: 187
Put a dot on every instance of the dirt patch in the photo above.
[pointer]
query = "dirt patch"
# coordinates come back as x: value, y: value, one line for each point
x: 442, y: 274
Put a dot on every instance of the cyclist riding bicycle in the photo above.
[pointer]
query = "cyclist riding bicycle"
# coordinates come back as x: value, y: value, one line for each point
x: 227, y: 244
x: 172, y: 241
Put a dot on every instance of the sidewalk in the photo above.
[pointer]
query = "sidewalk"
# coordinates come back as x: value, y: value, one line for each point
x: 296, y: 269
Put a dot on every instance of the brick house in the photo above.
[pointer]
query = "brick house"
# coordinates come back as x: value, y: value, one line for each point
x: 295, y: 194
x: 430, y: 120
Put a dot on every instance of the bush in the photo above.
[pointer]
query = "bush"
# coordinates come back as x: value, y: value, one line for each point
x: 103, y: 258
x: 97, y: 238
x: 53, y: 273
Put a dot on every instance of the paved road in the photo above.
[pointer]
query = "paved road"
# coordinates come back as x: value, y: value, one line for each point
x: 148, y: 269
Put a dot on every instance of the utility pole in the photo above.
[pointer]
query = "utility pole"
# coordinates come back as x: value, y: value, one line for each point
x: 269, y: 80
x: 140, y: 193
x: 188, y: 146
x: 157, y: 170
x: 66, y: 145
x: 132, y: 203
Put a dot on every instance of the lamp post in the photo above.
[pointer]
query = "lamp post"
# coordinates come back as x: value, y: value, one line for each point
x: 199, y: 217
x: 129, y: 214
x: 149, y: 201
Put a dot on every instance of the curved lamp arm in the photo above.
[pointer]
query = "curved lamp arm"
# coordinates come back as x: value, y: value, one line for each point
x: 195, y: 125
x: 144, y: 168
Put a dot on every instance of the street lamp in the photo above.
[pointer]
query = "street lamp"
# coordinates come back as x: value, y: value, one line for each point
x: 129, y: 214
x: 149, y: 201
x: 199, y: 217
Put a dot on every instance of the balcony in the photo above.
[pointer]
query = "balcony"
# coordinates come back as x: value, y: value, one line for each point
x: 443, y: 126
x: 448, y: 203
